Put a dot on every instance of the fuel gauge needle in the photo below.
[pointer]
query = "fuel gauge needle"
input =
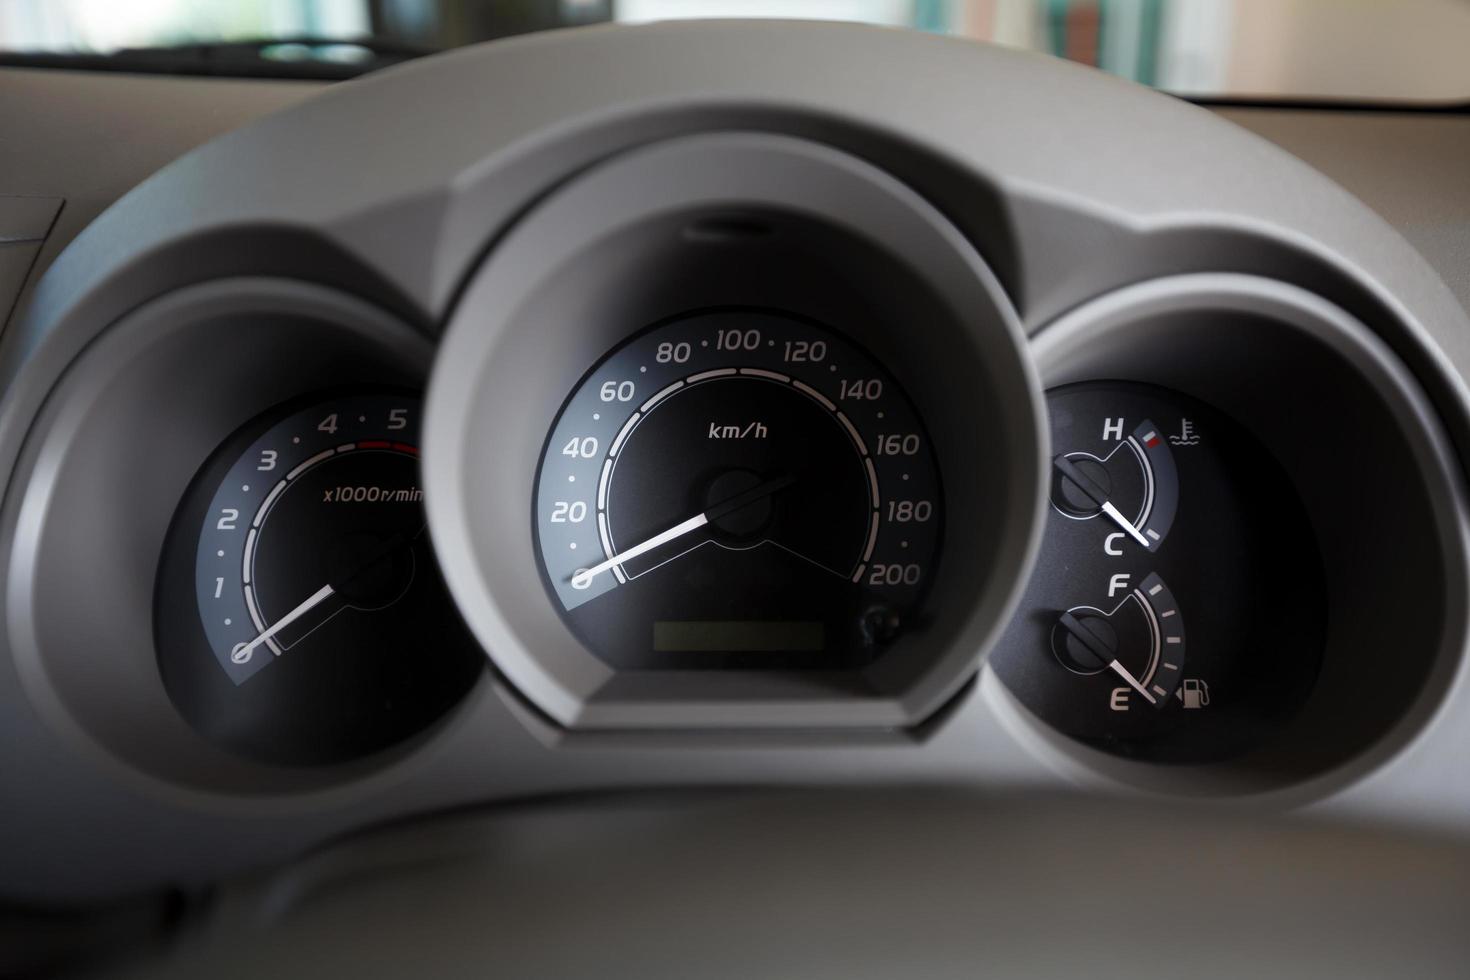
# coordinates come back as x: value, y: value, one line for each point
x: 1098, y: 496
x: 1103, y: 651
x: 1122, y: 672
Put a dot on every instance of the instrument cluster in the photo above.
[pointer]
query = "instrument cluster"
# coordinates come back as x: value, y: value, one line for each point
x: 742, y: 518
x: 702, y: 426
x: 773, y: 497
x: 740, y: 491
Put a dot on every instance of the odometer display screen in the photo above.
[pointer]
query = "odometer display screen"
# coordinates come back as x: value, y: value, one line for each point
x: 738, y: 636
x: 738, y: 489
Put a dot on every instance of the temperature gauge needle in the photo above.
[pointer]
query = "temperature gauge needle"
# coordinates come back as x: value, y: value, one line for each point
x: 1100, y: 649
x: 1098, y: 496
x: 584, y: 578
x: 1124, y: 523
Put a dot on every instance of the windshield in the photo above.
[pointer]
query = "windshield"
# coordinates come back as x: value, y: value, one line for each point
x: 1353, y: 50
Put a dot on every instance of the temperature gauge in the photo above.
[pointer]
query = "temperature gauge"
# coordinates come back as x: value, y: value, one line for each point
x: 1135, y: 487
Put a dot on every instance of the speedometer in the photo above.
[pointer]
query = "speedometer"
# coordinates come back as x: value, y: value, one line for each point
x: 738, y: 489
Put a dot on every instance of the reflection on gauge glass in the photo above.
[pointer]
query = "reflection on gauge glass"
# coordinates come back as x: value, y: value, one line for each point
x: 300, y: 614
x: 738, y: 489
x: 1177, y: 610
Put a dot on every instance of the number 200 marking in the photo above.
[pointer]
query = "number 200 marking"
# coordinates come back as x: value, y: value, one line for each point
x: 894, y: 574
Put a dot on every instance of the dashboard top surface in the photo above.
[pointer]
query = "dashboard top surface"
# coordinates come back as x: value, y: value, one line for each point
x: 93, y: 137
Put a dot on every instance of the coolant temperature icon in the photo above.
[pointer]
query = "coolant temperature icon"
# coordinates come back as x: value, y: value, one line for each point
x: 1187, y: 436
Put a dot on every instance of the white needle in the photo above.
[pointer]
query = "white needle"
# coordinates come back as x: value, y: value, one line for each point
x: 1098, y: 496
x: 741, y: 500
x: 1123, y: 673
x: 1124, y: 523
x: 584, y: 578
x: 242, y: 654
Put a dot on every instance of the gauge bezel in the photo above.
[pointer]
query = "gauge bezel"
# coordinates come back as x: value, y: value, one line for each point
x: 633, y: 242
x: 201, y: 362
x: 1248, y: 346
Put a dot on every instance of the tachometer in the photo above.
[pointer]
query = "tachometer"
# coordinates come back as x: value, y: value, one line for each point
x: 738, y: 489
x: 301, y: 616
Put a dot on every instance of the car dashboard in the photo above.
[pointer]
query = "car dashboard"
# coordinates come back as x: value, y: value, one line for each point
x: 884, y: 411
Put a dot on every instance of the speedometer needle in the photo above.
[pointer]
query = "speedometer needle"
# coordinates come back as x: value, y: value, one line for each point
x: 584, y: 578
x: 1098, y: 496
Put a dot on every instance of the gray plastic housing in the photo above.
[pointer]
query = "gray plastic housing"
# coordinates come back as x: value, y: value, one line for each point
x: 620, y: 248
x: 392, y: 191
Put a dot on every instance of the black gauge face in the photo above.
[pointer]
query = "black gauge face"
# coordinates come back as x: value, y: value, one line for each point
x: 1177, y: 609
x: 300, y: 614
x: 738, y: 490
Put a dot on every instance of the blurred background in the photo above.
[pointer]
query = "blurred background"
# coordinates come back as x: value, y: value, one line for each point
x: 1389, y: 50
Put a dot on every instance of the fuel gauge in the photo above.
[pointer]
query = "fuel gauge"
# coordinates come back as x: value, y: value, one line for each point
x: 1165, y: 511
x: 1141, y: 640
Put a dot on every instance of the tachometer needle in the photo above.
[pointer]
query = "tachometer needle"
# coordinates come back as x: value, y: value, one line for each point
x: 242, y: 654
x: 584, y: 578
x: 1098, y: 496
x: 392, y: 544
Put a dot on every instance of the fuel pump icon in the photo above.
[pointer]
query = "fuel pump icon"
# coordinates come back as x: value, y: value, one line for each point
x: 1194, y: 692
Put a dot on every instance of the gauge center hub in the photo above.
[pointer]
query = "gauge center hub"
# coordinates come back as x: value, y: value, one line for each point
x: 371, y: 571
x: 1080, y: 656
x: 1073, y: 499
x: 742, y: 525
